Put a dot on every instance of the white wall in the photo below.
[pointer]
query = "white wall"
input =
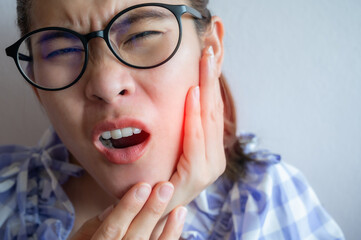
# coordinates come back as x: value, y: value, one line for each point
x: 21, y: 119
x: 295, y: 70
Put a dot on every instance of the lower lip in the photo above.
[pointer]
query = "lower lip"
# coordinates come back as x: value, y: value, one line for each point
x: 123, y: 155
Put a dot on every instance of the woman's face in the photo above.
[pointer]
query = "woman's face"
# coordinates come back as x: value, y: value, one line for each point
x: 151, y: 100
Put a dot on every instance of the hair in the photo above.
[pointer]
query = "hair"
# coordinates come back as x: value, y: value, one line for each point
x: 233, y: 145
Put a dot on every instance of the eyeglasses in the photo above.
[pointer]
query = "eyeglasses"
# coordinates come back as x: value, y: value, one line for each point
x: 142, y: 36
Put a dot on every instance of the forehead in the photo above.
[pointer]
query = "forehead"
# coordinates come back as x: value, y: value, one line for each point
x: 81, y: 15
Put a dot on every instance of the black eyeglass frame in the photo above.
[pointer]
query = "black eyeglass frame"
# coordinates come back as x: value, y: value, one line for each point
x: 177, y: 10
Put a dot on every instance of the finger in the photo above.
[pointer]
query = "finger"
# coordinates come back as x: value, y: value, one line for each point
x: 211, y: 99
x: 117, y: 223
x: 208, y: 79
x: 193, y: 143
x: 191, y: 162
x: 144, y: 223
x: 174, y: 226
x: 211, y: 105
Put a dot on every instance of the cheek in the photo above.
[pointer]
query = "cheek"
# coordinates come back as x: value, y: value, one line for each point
x: 170, y: 101
x: 64, y: 114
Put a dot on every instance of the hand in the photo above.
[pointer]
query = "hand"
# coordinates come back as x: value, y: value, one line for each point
x: 135, y: 216
x: 203, y: 159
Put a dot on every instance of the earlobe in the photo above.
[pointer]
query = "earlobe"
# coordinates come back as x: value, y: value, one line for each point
x: 214, y: 37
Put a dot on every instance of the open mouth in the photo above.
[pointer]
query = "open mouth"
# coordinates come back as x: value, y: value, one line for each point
x: 123, y: 138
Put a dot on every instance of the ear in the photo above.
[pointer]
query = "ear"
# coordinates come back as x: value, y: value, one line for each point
x: 214, y: 37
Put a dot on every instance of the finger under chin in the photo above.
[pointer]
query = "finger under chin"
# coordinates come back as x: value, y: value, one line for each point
x: 116, y: 225
x: 174, y: 226
x: 144, y: 223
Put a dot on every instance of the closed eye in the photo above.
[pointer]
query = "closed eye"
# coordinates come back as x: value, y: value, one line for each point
x: 141, y: 36
x: 63, y: 51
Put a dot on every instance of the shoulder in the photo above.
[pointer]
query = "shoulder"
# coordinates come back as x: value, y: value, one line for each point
x: 31, y: 199
x: 279, y: 201
x: 273, y: 201
x: 274, y: 180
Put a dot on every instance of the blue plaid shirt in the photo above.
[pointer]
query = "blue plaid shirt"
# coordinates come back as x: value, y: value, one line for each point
x: 33, y: 204
x: 273, y: 201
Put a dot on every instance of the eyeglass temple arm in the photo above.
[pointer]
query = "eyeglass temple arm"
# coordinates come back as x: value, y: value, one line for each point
x: 23, y: 57
x: 194, y: 12
x: 12, y: 52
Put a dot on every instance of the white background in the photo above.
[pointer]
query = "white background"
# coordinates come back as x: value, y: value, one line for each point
x: 295, y: 70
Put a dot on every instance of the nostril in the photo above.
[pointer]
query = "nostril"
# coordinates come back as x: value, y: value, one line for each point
x: 123, y: 92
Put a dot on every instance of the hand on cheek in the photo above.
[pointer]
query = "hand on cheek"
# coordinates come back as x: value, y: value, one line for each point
x: 203, y: 159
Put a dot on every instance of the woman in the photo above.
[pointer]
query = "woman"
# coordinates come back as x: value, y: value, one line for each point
x: 134, y: 92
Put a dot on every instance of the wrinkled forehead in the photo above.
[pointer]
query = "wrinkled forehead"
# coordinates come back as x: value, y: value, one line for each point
x: 81, y: 15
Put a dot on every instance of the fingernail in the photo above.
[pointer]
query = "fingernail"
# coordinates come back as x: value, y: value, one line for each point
x: 181, y: 214
x: 165, y: 192
x: 196, y: 93
x: 143, y: 192
x: 105, y: 213
x: 210, y: 51
x: 211, y: 56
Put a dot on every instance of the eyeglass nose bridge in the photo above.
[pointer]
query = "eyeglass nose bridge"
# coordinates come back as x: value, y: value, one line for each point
x: 95, y: 34
x: 100, y: 34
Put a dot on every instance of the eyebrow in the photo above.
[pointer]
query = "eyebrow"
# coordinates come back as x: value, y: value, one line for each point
x: 54, y: 35
x: 142, y: 15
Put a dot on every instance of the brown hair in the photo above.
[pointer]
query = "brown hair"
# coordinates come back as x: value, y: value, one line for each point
x: 23, y: 8
x: 236, y: 158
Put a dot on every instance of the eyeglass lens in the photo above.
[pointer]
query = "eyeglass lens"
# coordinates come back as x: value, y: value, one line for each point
x: 142, y: 37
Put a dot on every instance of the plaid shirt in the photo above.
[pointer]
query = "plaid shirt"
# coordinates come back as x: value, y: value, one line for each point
x: 32, y: 202
x: 272, y: 202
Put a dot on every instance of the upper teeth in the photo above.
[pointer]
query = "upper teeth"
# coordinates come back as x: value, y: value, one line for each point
x: 120, y: 133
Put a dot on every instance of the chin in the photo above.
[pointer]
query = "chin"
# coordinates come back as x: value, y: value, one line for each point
x: 119, y: 181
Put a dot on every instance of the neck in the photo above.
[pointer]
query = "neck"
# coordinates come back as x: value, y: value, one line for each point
x: 87, y: 197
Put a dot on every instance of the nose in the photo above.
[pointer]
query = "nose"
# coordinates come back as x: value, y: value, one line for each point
x: 107, y: 79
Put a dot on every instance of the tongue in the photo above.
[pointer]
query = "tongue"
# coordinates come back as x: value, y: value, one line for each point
x: 130, y: 141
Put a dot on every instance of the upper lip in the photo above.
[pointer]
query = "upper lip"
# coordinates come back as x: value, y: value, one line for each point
x: 109, y: 125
